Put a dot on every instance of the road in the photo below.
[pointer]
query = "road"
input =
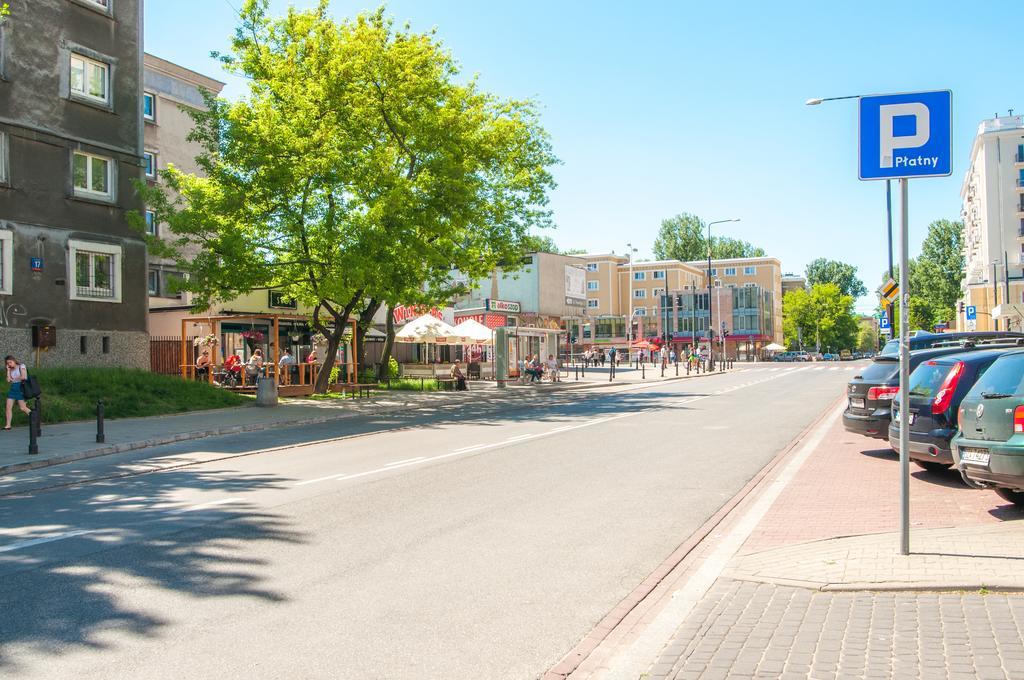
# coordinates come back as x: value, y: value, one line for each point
x: 482, y: 543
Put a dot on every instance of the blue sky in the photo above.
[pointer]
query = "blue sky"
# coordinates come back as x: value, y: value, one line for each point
x: 671, y: 107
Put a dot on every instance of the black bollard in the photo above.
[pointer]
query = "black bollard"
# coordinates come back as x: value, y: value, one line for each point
x: 39, y: 416
x: 421, y: 384
x: 677, y: 369
x: 101, y: 437
x: 663, y: 369
x: 33, y: 428
x: 643, y: 371
x: 577, y: 371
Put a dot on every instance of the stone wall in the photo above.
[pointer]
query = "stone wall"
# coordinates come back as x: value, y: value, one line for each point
x: 127, y: 349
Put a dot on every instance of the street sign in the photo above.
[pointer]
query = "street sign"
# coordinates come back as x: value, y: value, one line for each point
x: 883, y: 323
x: 906, y: 135
x: 889, y: 291
x: 972, y: 325
x: 972, y: 313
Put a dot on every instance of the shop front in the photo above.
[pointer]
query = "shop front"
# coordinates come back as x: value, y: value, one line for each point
x: 514, y: 344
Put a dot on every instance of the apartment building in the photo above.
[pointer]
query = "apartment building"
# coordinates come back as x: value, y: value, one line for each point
x: 746, y: 313
x: 992, y: 196
x: 169, y: 93
x: 791, y: 282
x: 72, y: 270
x: 764, y: 273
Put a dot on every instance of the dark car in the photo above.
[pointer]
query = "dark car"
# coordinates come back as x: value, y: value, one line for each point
x: 937, y: 387
x: 924, y: 340
x: 989, y: 448
x: 870, y: 393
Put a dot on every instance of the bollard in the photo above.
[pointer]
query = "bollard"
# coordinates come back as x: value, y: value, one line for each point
x: 33, y: 428
x: 677, y: 369
x: 577, y: 371
x: 100, y: 436
x: 643, y: 371
x: 421, y: 384
x: 687, y: 367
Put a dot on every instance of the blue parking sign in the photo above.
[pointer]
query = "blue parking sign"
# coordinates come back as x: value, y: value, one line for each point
x: 906, y: 135
x: 883, y: 322
x: 972, y: 313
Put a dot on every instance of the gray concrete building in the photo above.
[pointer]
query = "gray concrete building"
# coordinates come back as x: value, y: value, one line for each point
x: 169, y: 93
x: 71, y: 144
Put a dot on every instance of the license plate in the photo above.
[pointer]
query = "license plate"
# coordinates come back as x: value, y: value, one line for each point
x: 974, y: 456
x: 911, y: 419
x: 857, y: 403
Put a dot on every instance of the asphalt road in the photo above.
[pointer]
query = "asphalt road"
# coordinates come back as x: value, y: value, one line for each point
x: 482, y: 542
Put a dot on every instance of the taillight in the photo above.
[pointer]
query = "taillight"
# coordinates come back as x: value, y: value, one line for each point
x: 945, y: 394
x: 883, y: 393
x: 1018, y: 420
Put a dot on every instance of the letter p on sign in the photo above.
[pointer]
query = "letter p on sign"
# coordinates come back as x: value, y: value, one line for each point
x: 889, y: 141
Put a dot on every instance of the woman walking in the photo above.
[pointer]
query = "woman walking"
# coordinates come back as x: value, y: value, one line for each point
x: 16, y: 372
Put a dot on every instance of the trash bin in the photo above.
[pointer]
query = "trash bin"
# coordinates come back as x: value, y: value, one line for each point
x: 266, y: 392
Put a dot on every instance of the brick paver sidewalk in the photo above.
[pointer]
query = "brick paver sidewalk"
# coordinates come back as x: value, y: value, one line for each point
x: 772, y: 614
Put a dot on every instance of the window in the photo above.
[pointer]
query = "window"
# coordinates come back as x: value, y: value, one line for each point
x: 95, y: 271
x: 730, y: 271
x: 640, y: 311
x: 91, y: 175
x: 639, y: 276
x: 6, y: 261
x: 640, y: 293
x: 4, y: 156
x: 90, y: 78
x: 714, y: 271
x: 657, y: 292
x: 152, y: 227
x: 659, y: 274
x: 154, y: 282
x: 105, y: 4
x: 593, y: 285
x: 592, y: 304
x: 149, y: 163
x: 749, y: 271
x: 149, y: 106
x: 718, y: 283
x: 591, y: 266
x: 752, y: 285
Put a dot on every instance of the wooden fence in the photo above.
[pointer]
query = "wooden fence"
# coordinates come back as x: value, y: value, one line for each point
x: 165, y: 354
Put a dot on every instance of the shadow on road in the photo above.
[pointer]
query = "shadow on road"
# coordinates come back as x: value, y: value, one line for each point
x: 76, y: 592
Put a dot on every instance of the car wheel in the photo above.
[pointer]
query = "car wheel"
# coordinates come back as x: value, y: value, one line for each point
x: 932, y: 466
x: 1015, y: 497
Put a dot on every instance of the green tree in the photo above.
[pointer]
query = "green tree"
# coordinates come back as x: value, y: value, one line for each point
x: 358, y: 171
x: 821, y: 317
x: 540, y: 244
x: 832, y: 271
x: 867, y: 339
x: 684, y: 237
x: 939, y: 271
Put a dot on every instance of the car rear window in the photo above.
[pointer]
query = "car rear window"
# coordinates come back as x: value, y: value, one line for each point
x: 880, y: 371
x: 891, y: 349
x: 1004, y: 376
x: 927, y: 378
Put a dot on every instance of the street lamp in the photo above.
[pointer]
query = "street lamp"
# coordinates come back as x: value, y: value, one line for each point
x: 629, y: 323
x: 721, y: 321
x: 711, y: 324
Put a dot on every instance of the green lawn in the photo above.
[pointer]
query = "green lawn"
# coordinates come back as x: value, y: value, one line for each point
x: 72, y: 393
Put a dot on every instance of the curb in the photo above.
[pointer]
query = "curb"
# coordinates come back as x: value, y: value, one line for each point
x: 256, y: 427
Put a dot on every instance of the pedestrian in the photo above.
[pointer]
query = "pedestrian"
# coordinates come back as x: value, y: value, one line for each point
x: 613, y: 355
x: 552, y: 366
x: 254, y: 368
x: 284, y: 367
x: 458, y: 376
x: 203, y: 366
x: 536, y: 369
x: 601, y: 356
x: 16, y: 372
x: 672, y: 357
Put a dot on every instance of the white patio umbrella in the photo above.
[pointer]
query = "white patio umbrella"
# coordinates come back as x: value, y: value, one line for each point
x: 429, y: 330
x: 774, y: 347
x: 475, y: 332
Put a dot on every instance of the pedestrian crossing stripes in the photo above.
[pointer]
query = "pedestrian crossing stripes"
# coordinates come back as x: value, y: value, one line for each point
x: 797, y: 367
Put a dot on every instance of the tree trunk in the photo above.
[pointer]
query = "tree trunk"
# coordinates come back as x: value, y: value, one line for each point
x: 363, y: 325
x: 384, y: 370
x: 323, y: 378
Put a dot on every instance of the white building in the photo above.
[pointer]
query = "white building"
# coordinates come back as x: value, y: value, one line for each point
x: 993, y: 215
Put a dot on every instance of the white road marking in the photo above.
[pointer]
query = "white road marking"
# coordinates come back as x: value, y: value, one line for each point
x: 637, y: 658
x: 46, y: 539
x: 203, y: 506
x: 407, y: 460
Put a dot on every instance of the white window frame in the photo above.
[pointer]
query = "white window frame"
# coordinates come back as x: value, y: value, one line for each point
x: 749, y: 271
x: 591, y: 266
x: 152, y: 226
x: 5, y: 158
x: 730, y: 271
x: 86, y: 62
x: 660, y: 274
x: 74, y: 246
x: 714, y: 271
x: 100, y: 5
x: 150, y: 118
x: 657, y: 292
x: 639, y: 311
x: 639, y: 276
x: 88, y: 192
x: 640, y: 294
x: 149, y: 163
x: 592, y: 304
x: 6, y: 262
x: 593, y: 285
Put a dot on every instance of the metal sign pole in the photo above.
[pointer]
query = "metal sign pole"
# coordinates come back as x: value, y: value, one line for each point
x: 904, y: 373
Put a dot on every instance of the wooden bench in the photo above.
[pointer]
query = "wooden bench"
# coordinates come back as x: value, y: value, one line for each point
x: 359, y: 390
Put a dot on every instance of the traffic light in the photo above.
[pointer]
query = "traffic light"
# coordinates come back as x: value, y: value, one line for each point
x: 961, y: 306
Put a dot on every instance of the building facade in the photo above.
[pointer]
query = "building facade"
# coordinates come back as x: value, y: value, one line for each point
x: 70, y: 152
x: 791, y: 282
x: 169, y: 93
x: 992, y: 196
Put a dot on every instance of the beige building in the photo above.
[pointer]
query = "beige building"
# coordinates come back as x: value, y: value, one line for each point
x: 746, y: 272
x: 169, y: 91
x: 992, y: 197
x: 792, y: 282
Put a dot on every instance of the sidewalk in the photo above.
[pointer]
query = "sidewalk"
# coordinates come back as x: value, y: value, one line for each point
x: 67, y: 442
x: 819, y: 590
x: 800, y: 576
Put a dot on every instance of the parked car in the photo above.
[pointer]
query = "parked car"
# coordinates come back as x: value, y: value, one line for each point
x: 826, y: 357
x: 783, y: 356
x: 924, y: 340
x: 989, y: 448
x: 937, y: 387
x: 845, y: 355
x: 801, y: 356
x: 870, y: 393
